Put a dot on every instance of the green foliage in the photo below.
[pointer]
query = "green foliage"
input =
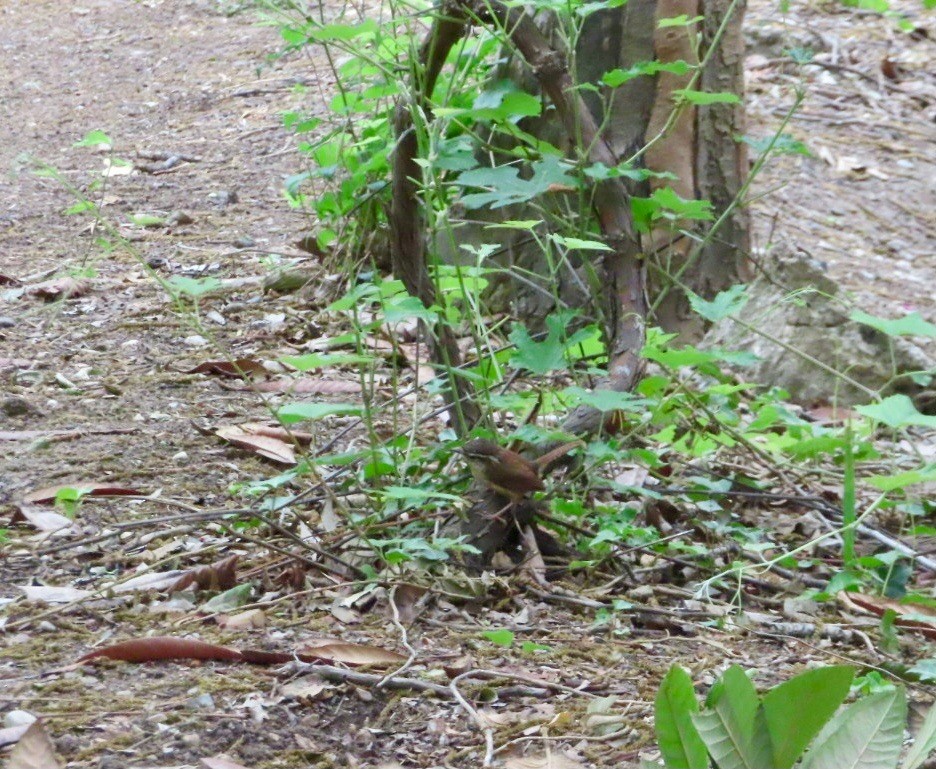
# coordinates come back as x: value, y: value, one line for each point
x: 739, y: 730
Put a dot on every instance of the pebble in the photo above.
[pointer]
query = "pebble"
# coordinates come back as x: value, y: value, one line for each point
x: 6, y: 321
x: 201, y: 702
x: 18, y: 718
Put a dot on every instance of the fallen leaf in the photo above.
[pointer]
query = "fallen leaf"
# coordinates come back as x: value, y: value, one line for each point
x: 552, y: 760
x: 34, y: 750
x: 53, y: 593
x: 271, y: 448
x: 306, y: 386
x: 242, y: 368
x: 60, y: 288
x: 308, y: 689
x: 912, y: 616
x: 221, y: 762
x: 160, y: 648
x: 160, y: 580
x: 350, y: 653
x: 220, y: 575
x: 246, y: 620
x: 48, y: 494
x: 43, y: 520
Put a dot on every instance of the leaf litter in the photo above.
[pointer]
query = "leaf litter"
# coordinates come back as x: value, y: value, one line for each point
x: 188, y: 527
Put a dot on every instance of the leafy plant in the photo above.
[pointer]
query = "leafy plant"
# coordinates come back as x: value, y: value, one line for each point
x: 799, y: 720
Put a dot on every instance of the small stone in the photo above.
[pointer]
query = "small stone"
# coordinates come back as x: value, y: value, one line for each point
x: 180, y: 457
x: 245, y: 241
x: 6, y: 321
x: 201, y: 702
x: 18, y: 718
x: 223, y: 198
x: 195, y: 340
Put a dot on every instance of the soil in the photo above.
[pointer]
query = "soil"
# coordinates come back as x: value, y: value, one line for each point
x: 100, y: 376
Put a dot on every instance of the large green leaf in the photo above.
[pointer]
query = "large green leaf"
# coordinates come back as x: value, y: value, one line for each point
x: 897, y: 411
x: 679, y: 742
x: 867, y: 734
x: 733, y: 725
x: 797, y: 709
x: 924, y: 742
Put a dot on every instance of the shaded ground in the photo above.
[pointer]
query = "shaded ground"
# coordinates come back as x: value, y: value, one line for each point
x: 186, y: 79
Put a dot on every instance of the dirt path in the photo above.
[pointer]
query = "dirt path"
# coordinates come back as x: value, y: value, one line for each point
x: 183, y: 78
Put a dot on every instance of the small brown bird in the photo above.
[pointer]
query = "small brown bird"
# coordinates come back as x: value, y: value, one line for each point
x: 502, y: 470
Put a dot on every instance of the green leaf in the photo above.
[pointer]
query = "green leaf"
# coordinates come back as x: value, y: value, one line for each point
x: 507, y: 187
x: 797, y: 709
x: 924, y: 742
x: 617, y: 77
x: 678, y: 21
x: 677, y: 737
x: 909, y: 325
x: 902, y: 480
x: 728, y: 302
x: 193, y: 286
x: 701, y: 98
x: 406, y: 307
x: 540, y: 357
x: 94, y: 139
x: 229, y: 600
x: 412, y: 494
x: 80, y: 207
x: 867, y: 734
x: 147, y: 220
x: 316, y: 360
x: 608, y: 400
x: 500, y: 637
x: 925, y: 669
x: 326, y: 32
x: 784, y: 144
x: 897, y: 411
x: 296, y: 412
x: 733, y: 724
x: 578, y: 243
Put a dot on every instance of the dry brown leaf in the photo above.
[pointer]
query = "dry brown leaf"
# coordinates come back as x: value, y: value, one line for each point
x: 246, y: 620
x: 242, y: 368
x: 162, y: 580
x: 308, y: 385
x: 262, y: 445
x: 43, y: 520
x: 34, y: 750
x: 552, y: 760
x: 161, y: 648
x: 878, y: 605
x: 48, y: 494
x: 275, y: 431
x: 310, y: 689
x: 60, y: 288
x: 221, y: 762
x: 53, y: 593
x: 220, y: 575
x: 350, y: 653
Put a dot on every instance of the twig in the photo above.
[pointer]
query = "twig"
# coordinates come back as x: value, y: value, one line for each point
x: 473, y: 714
x: 404, y: 639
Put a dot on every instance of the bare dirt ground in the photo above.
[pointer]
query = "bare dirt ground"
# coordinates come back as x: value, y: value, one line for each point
x: 187, y: 79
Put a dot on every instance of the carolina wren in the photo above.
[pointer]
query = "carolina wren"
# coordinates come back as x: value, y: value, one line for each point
x: 502, y: 470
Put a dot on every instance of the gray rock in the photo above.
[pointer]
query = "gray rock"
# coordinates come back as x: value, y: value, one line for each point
x: 806, y: 330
